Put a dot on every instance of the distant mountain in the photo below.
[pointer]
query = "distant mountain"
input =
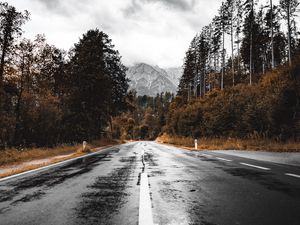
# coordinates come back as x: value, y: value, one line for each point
x: 152, y: 80
x: 174, y: 74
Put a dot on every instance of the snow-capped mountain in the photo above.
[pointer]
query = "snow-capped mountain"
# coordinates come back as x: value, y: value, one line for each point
x: 174, y: 74
x: 152, y: 80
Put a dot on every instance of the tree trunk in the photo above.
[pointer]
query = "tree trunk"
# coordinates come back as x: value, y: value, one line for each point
x: 2, y: 62
x: 272, y: 35
x: 251, y: 42
x: 289, y: 32
x: 18, y: 106
x: 232, y: 49
x: 238, y: 40
x: 223, y: 59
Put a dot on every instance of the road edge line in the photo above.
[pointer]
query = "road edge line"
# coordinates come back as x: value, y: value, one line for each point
x: 53, y: 165
x: 292, y: 175
x: 254, y: 166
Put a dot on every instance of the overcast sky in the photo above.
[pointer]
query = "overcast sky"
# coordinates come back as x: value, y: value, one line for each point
x: 157, y: 32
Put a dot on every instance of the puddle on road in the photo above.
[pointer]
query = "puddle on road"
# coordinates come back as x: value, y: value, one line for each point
x: 33, y: 187
x: 265, y: 179
x: 149, y: 158
x: 30, y: 197
x: 107, y: 194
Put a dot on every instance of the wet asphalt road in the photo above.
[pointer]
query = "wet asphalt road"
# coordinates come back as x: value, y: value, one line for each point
x: 205, y: 188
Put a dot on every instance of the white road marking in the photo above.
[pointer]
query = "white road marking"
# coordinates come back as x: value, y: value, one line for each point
x: 145, y: 209
x: 292, y: 175
x: 227, y: 160
x: 206, y: 155
x: 258, y: 167
x: 50, y: 166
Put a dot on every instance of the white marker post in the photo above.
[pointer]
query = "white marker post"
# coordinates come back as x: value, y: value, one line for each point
x: 196, y: 144
x: 84, y: 143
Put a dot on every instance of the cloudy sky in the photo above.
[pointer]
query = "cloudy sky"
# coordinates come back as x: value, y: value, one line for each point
x: 157, y: 32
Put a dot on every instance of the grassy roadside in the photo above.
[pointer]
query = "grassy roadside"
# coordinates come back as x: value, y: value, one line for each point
x: 19, y: 160
x: 230, y: 144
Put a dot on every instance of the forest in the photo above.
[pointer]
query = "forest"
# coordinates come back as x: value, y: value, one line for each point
x: 240, y: 80
x: 251, y: 91
x: 49, y: 96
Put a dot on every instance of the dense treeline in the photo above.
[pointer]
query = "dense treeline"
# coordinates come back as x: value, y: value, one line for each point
x: 241, y: 43
x: 145, y: 118
x: 252, y: 92
x: 269, y: 109
x: 49, y: 96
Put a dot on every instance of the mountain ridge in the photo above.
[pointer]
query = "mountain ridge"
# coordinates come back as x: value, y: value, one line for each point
x: 152, y: 80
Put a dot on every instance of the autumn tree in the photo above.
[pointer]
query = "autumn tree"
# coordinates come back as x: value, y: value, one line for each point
x: 10, y: 28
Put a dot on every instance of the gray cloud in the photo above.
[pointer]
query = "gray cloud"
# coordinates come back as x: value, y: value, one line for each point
x: 50, y: 4
x: 132, y: 8
x: 62, y: 7
x: 136, y: 6
x: 184, y: 5
x: 151, y: 31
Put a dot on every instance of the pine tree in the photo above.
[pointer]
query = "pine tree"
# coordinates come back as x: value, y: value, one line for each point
x: 189, y: 68
x: 249, y: 9
x: 289, y: 8
x: 98, y: 85
x: 277, y: 41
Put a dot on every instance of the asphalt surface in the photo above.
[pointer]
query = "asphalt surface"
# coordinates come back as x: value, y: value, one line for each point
x: 203, y: 188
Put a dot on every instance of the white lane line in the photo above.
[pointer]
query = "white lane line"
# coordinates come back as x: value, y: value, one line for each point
x: 292, y: 175
x: 206, y: 155
x: 50, y: 166
x: 145, y: 209
x: 258, y: 167
x: 222, y: 159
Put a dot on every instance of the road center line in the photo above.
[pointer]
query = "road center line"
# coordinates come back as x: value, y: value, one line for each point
x: 227, y: 160
x: 292, y: 175
x: 145, y: 209
x: 258, y: 167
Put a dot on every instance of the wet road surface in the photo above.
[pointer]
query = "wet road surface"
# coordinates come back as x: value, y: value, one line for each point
x: 185, y: 187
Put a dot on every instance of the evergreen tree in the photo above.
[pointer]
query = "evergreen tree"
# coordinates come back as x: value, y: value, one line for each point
x: 98, y: 85
x: 186, y: 81
x: 288, y: 9
x: 277, y: 40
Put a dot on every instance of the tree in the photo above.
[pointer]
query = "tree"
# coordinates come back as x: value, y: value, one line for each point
x: 249, y: 9
x: 239, y: 16
x: 289, y: 8
x: 272, y: 33
x: 230, y: 5
x: 222, y: 27
x: 97, y: 85
x: 277, y: 39
x: 39, y: 97
x: 185, y: 84
x: 10, y: 27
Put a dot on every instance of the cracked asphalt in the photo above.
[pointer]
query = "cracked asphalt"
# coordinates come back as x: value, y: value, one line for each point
x: 203, y: 188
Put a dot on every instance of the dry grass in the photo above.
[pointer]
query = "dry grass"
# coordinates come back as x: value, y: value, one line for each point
x: 35, y: 166
x: 15, y: 156
x: 11, y: 157
x: 231, y: 144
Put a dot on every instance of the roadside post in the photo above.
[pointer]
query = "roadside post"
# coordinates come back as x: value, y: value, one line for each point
x: 196, y: 144
x: 84, y: 143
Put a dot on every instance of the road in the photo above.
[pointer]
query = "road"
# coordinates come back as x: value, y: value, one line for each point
x: 175, y: 187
